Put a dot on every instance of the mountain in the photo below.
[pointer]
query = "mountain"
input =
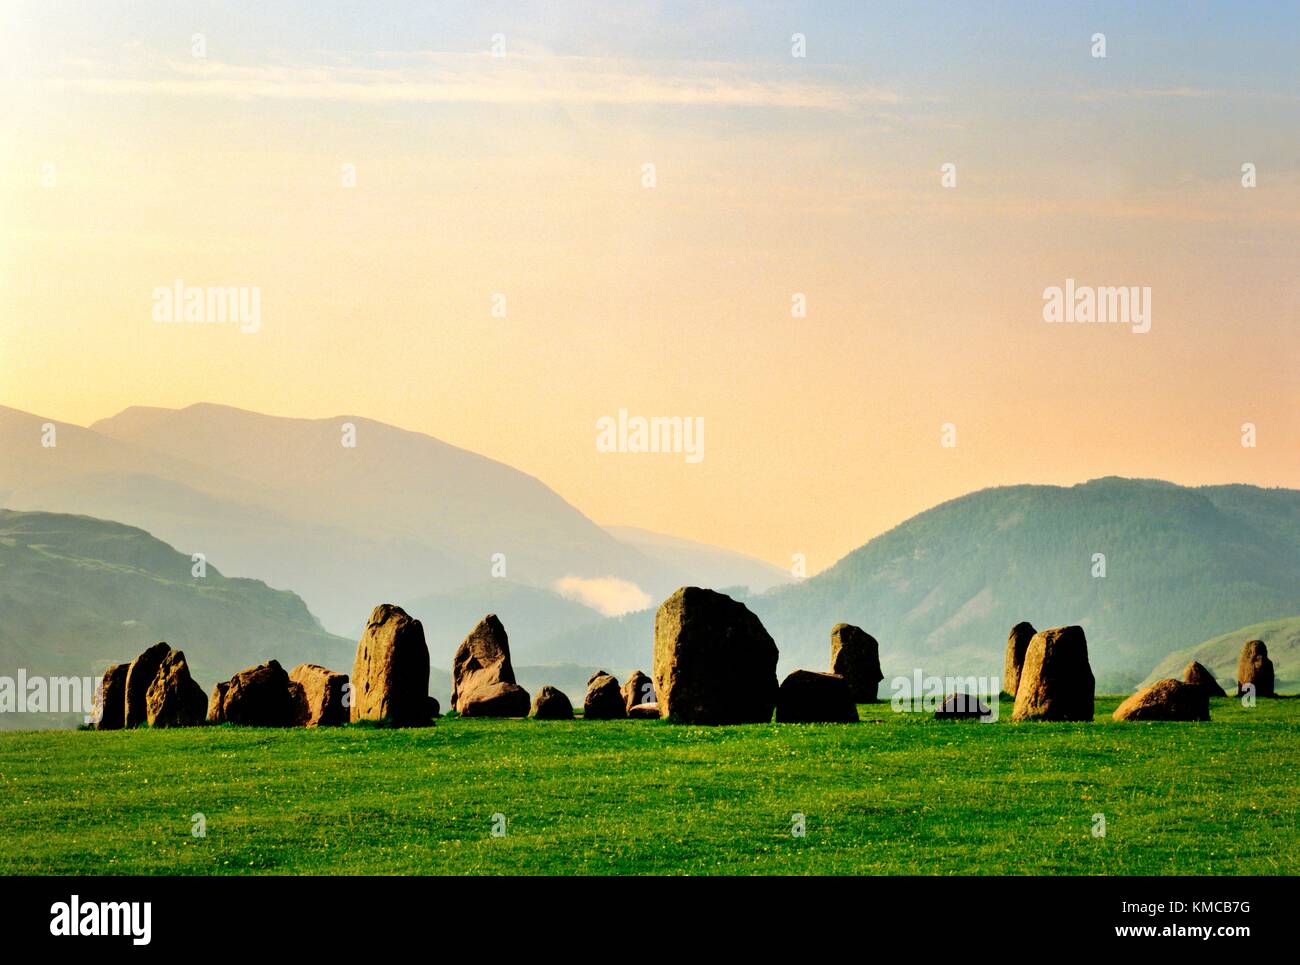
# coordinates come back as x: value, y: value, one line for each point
x: 941, y: 590
x: 400, y: 515
x: 1220, y: 655
x: 78, y: 594
x: 703, y: 565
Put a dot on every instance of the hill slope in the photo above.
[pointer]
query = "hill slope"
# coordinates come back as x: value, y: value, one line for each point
x: 399, y: 515
x: 1220, y: 654
x: 78, y: 594
x: 941, y: 590
x: 701, y: 564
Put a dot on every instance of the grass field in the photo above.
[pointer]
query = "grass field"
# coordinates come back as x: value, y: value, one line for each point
x: 901, y: 795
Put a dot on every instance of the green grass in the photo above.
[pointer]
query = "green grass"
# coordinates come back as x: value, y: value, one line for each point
x: 904, y: 795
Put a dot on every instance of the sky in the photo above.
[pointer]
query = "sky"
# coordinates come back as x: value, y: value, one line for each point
x: 501, y: 150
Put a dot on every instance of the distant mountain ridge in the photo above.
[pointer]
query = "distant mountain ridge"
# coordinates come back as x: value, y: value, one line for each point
x: 941, y: 590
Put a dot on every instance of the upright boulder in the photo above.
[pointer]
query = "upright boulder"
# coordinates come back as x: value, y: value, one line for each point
x: 110, y: 711
x: 1254, y: 667
x: 1056, y: 681
x: 481, y: 660
x: 638, y: 689
x: 1198, y: 675
x: 1017, y: 643
x: 316, y: 696
x: 173, y: 698
x: 604, y: 700
x: 495, y: 700
x: 217, y: 703
x: 139, y: 677
x: 1166, y: 700
x: 390, y: 676
x: 808, y: 697
x: 256, y: 697
x: 714, y: 663
x: 855, y: 656
x: 551, y: 703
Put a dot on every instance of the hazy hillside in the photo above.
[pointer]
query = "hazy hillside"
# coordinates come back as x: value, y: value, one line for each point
x: 1220, y: 654
x: 701, y: 564
x: 399, y: 516
x: 941, y: 590
x: 78, y: 594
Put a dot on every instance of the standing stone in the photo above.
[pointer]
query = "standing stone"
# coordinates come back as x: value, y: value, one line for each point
x: 139, y: 677
x: 1166, y: 700
x: 316, y: 696
x: 1254, y: 667
x: 257, y: 697
x: 217, y: 703
x: 390, y: 677
x: 482, y: 660
x: 808, y: 697
x: 111, y: 712
x: 644, y: 712
x: 1017, y: 643
x: 855, y: 656
x: 638, y: 689
x: 1056, y: 681
x: 551, y: 703
x: 495, y: 700
x: 714, y: 662
x: 1198, y: 675
x: 173, y: 698
x: 604, y: 700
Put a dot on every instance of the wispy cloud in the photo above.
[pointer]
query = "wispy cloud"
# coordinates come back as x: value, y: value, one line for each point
x: 523, y: 79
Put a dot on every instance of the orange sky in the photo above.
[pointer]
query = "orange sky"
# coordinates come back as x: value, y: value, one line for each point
x: 924, y: 302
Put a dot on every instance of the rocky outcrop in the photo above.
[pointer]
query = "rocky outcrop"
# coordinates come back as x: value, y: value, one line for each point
x: 714, y: 663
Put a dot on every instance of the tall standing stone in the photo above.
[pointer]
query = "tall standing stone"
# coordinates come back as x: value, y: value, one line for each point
x: 855, y: 656
x: 482, y: 660
x: 1017, y: 643
x: 714, y: 663
x: 139, y: 677
x: 1254, y: 667
x: 390, y: 677
x: 111, y: 712
x: 173, y: 698
x: 1056, y: 681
